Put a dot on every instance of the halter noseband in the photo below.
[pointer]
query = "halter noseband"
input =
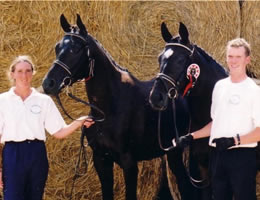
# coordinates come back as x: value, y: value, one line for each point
x: 170, y: 80
x: 67, y: 69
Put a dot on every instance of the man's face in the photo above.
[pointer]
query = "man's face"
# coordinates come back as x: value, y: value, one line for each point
x: 237, y: 60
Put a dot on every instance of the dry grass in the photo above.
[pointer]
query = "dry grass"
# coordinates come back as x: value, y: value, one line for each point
x: 130, y: 31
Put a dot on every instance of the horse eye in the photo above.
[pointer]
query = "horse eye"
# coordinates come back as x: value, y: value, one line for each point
x: 75, y: 49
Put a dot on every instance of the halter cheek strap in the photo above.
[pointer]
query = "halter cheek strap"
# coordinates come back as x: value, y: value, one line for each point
x: 91, y: 61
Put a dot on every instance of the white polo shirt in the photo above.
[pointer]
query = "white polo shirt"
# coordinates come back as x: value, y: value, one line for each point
x: 235, y: 109
x: 27, y: 120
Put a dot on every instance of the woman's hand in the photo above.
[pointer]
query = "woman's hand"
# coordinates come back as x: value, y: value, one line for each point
x: 87, y: 121
x: 1, y: 182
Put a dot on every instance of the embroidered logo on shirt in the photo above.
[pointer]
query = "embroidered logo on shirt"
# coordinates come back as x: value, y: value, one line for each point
x: 36, y: 109
x: 234, y: 99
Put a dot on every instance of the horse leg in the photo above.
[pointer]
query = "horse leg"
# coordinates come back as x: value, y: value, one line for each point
x: 200, y: 172
x: 104, y: 168
x: 130, y: 170
x: 130, y: 175
x: 175, y: 162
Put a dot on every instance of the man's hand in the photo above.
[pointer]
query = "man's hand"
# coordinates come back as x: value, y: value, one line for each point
x: 224, y: 143
x: 183, y: 141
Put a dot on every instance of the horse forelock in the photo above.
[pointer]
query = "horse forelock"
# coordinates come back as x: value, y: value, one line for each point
x: 176, y: 39
x: 74, y: 29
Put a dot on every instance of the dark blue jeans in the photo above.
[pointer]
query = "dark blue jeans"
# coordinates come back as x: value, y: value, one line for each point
x: 233, y: 174
x: 25, y: 170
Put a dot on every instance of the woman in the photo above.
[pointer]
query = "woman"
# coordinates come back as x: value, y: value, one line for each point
x: 24, y: 116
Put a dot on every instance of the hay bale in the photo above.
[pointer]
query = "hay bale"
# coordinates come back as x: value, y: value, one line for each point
x: 130, y: 31
x: 250, y: 30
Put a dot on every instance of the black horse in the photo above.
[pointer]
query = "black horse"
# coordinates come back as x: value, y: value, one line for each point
x: 129, y: 132
x: 187, y: 70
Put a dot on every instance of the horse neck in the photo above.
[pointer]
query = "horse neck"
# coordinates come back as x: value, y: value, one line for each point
x: 101, y: 88
x: 210, y: 73
x: 201, y: 95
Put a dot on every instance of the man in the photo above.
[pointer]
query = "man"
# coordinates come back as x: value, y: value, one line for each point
x: 234, y: 129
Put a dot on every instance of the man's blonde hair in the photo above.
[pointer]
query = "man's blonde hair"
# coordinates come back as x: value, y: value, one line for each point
x: 240, y: 42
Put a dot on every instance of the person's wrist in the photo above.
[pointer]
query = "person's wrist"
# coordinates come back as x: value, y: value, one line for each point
x: 80, y: 122
x: 237, y: 139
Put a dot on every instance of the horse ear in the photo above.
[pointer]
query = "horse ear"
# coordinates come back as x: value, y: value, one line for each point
x: 64, y: 23
x: 167, y: 36
x: 184, y: 33
x: 81, y: 26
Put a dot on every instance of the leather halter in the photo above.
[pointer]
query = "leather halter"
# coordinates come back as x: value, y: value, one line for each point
x: 67, y: 69
x: 174, y: 83
x: 91, y: 74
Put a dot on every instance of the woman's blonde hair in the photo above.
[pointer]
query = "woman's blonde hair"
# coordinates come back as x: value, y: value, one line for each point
x: 18, y: 59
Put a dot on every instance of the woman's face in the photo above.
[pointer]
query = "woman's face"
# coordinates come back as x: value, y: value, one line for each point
x: 22, y: 74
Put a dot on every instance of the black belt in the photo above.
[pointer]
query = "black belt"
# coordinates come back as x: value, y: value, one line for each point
x: 25, y: 141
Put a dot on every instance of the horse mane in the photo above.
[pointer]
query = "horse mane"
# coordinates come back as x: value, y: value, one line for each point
x: 110, y: 58
x: 209, y: 59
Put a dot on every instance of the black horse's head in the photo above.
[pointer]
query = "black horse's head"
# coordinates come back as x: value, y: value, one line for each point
x: 178, y: 73
x: 72, y: 55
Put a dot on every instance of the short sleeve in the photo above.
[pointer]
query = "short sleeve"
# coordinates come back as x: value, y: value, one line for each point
x: 213, y: 101
x: 1, y: 123
x: 53, y: 119
x: 256, y: 109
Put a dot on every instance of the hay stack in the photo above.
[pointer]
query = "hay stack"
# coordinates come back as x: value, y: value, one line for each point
x: 130, y: 31
x: 250, y: 30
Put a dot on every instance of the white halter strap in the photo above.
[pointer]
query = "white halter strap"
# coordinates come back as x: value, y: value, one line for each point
x: 63, y: 65
x: 181, y: 45
x: 167, y: 78
x: 76, y: 35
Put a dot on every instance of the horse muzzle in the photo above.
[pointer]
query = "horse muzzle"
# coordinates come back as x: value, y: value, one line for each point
x: 158, y: 100
x: 50, y: 86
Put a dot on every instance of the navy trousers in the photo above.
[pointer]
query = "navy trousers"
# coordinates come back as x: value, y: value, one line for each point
x: 233, y: 174
x: 25, y: 170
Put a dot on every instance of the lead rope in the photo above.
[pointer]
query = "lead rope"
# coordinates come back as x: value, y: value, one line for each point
x: 82, y: 153
x: 193, y: 181
x: 159, y: 129
x: 83, y: 102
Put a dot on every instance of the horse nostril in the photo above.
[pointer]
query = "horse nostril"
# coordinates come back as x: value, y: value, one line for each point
x: 48, y: 84
x: 51, y: 83
x: 161, y: 97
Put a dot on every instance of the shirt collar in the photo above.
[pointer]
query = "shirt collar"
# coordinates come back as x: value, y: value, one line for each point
x: 11, y: 91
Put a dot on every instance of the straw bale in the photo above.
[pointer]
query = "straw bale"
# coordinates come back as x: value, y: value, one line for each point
x: 130, y: 31
x: 250, y: 30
